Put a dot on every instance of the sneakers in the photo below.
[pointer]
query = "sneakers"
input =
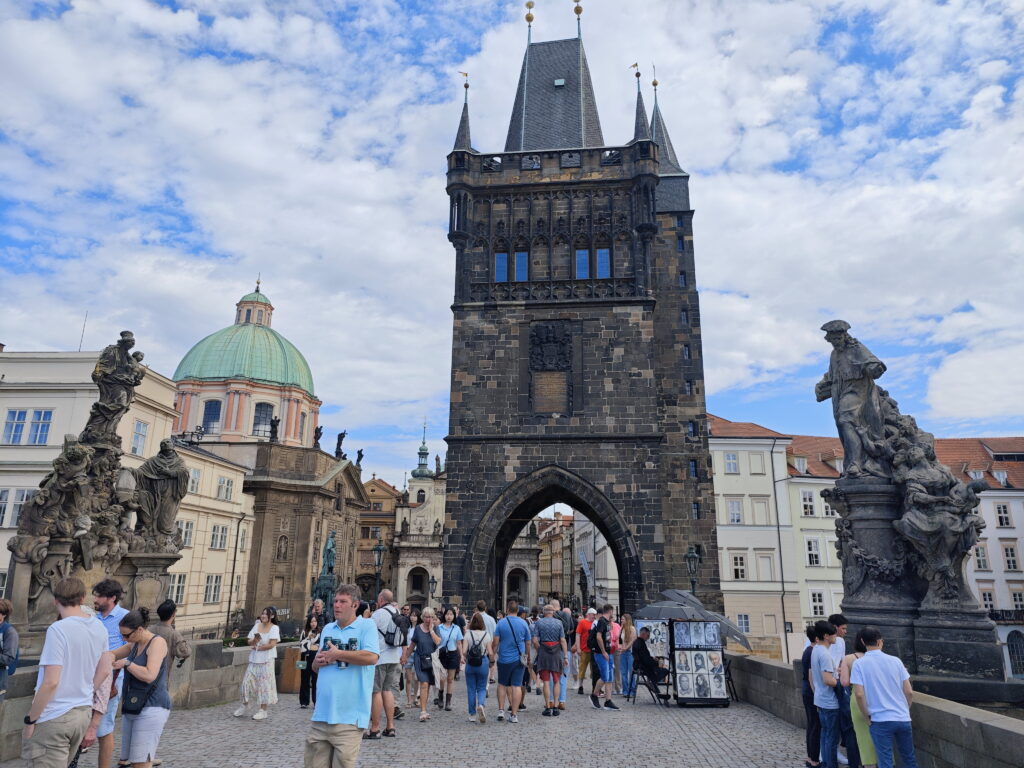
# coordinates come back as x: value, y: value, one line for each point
x: 608, y: 705
x: 580, y: 690
x: 240, y: 711
x: 546, y: 712
x: 513, y: 719
x: 501, y: 715
x: 261, y: 715
x: 472, y: 719
x: 481, y: 713
x: 399, y: 714
x: 537, y: 691
x: 555, y: 712
x: 841, y: 758
x: 595, y: 702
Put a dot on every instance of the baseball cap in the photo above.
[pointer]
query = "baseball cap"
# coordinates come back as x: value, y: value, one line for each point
x: 591, y: 610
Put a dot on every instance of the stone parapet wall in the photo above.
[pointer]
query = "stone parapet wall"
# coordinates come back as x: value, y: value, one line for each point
x: 946, y: 734
x: 211, y: 675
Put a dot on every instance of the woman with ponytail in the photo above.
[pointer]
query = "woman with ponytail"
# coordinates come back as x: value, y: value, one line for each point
x: 145, y: 702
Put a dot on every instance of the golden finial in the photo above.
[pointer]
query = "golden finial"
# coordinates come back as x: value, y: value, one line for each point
x: 258, y: 275
x: 578, y: 10
x: 529, y: 12
x: 654, y: 82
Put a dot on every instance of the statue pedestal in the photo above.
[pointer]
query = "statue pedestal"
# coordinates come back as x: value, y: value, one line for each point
x: 881, y: 586
x: 958, y: 644
x: 32, y: 600
x: 324, y: 590
x: 145, y: 579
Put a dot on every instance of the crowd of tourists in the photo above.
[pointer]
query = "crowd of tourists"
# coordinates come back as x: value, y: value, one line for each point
x: 857, y: 701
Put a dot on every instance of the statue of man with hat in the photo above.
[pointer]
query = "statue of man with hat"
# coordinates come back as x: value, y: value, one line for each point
x: 856, y: 401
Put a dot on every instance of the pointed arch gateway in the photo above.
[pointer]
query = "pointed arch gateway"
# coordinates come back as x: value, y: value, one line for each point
x: 519, y: 503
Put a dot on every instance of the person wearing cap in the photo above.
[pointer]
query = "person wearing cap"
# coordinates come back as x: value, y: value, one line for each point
x: 856, y: 402
x: 581, y: 646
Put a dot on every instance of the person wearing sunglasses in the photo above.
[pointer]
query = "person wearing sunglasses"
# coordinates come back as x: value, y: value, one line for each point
x: 145, y: 702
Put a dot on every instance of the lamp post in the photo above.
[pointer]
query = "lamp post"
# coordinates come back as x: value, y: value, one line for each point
x: 433, y: 588
x: 692, y: 561
x: 378, y: 561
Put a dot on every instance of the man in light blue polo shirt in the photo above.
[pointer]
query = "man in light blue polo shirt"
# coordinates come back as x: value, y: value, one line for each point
x: 882, y: 686
x: 105, y: 598
x: 344, y: 690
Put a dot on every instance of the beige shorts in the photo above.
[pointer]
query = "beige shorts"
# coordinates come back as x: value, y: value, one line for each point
x: 385, y: 677
x: 54, y: 742
x: 332, y: 746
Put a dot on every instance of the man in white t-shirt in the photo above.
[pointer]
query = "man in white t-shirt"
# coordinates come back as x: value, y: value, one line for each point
x: 61, y: 709
x: 881, y: 685
x: 388, y: 668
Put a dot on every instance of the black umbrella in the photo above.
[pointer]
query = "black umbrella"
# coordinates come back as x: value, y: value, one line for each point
x: 682, y: 596
x: 669, y: 609
x: 729, y: 629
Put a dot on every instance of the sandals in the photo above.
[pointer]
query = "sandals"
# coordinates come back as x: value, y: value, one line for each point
x: 424, y: 716
x: 371, y: 735
x: 389, y: 732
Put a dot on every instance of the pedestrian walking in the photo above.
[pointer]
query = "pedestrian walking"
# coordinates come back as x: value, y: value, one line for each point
x: 616, y: 663
x: 177, y: 646
x: 479, y: 659
x: 582, y: 646
x: 550, y: 646
x: 627, y: 636
x: 813, y: 729
x: 490, y: 625
x: 824, y: 679
x: 450, y: 655
x: 349, y: 649
x: 565, y: 617
x: 600, y: 644
x: 412, y: 685
x: 259, y: 685
x: 145, y: 702
x: 391, y: 640
x: 9, y: 642
x: 58, y: 719
x: 865, y: 746
x: 510, y: 642
x: 425, y: 641
x: 309, y: 646
x: 881, y: 685
x: 847, y: 735
x: 106, y: 596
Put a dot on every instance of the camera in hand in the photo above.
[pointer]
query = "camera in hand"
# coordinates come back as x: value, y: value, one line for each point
x: 352, y: 644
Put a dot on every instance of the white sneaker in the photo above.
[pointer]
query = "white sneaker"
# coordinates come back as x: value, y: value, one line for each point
x: 261, y: 715
x: 240, y: 711
x: 513, y: 719
x: 841, y: 758
x: 501, y: 715
x: 481, y: 713
x: 472, y: 718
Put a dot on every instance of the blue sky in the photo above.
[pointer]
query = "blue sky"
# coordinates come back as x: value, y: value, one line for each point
x: 858, y: 159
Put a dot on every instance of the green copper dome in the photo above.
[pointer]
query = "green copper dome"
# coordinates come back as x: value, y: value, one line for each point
x: 255, y: 296
x: 247, y: 351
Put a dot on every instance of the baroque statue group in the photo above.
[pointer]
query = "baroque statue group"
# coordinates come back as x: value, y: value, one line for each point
x: 90, y: 512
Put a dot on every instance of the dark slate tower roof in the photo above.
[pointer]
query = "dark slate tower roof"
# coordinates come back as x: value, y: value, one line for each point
x: 554, y: 106
x: 659, y: 133
x: 640, y: 130
x: 462, y: 140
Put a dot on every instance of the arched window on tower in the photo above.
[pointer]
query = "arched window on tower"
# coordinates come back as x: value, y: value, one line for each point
x: 211, y: 416
x: 421, y: 496
x: 582, y: 264
x: 521, y: 270
x: 261, y: 419
x: 259, y: 316
x: 302, y: 427
x: 248, y: 315
x: 501, y: 267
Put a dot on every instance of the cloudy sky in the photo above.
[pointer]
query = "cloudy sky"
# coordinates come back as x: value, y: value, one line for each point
x: 861, y: 159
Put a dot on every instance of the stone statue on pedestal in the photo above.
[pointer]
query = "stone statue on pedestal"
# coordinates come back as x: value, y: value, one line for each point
x: 338, y: 454
x: 317, y: 434
x: 275, y: 424
x: 161, y: 482
x: 330, y: 555
x: 116, y: 374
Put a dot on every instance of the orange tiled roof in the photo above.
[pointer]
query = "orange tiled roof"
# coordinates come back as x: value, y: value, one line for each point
x: 720, y: 427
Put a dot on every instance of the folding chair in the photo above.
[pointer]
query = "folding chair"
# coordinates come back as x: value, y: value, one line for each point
x: 730, y: 686
x: 652, y: 688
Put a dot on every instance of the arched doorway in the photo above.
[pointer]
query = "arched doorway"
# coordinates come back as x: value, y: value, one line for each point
x: 416, y: 587
x: 483, y: 567
x: 1015, y: 646
x: 517, y: 586
x: 366, y: 582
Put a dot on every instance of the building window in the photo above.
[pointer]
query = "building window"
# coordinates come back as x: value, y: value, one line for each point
x: 801, y: 464
x: 501, y: 267
x: 604, y: 263
x: 194, y: 476
x: 691, y: 428
x: 5, y: 495
x: 1015, y: 646
x: 682, y: 280
x: 243, y: 539
x: 219, y: 537
x: 238, y: 585
x: 691, y: 466
x: 686, y: 351
x: 684, y: 318
x: 1001, y: 476
x: 1003, y: 516
x: 416, y: 582
x: 139, y: 437
x: 261, y: 419
x: 212, y: 592
x: 364, y: 532
x: 739, y: 567
x: 248, y: 315
x: 695, y: 510
x: 817, y: 603
x: 732, y: 463
x: 14, y: 427
x: 21, y: 497
x: 735, y: 507
x: 813, y: 552
x: 211, y: 416
x: 976, y: 474
x: 987, y: 601
x: 828, y: 511
x: 680, y: 244
x: 1010, y: 557
x: 743, y: 622
x: 259, y: 316
x: 377, y: 506
x: 225, y: 488
x: 302, y: 427
x: 688, y: 387
x: 186, y: 529
x: 375, y: 532
x: 582, y: 264
x: 807, y: 503
x: 1017, y: 599
x: 39, y: 429
x: 981, y: 557
x: 176, y: 588
x: 421, y: 496
x: 522, y: 266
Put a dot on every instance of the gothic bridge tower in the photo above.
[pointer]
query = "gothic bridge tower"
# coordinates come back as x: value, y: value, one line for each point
x: 576, y: 359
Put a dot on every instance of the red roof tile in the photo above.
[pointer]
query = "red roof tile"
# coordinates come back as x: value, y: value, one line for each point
x: 720, y: 427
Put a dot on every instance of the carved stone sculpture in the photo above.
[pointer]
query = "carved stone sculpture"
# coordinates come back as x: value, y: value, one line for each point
x: 359, y: 457
x: 437, y: 527
x: 116, y: 374
x: 275, y: 423
x: 337, y: 447
x: 405, y: 526
x: 437, y: 464
x: 162, y: 482
x: 317, y: 434
x: 330, y: 555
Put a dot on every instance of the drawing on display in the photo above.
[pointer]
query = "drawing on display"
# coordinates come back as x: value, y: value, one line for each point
x: 712, y: 635
x: 683, y: 662
x: 682, y: 634
x: 684, y: 685
x: 715, y: 666
x: 698, y: 661
x: 657, y: 643
x: 718, y: 686
x: 701, y: 686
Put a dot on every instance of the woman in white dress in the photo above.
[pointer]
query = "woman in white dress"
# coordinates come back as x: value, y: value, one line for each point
x: 259, y: 686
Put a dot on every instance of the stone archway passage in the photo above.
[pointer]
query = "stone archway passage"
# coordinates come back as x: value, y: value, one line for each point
x: 483, y: 566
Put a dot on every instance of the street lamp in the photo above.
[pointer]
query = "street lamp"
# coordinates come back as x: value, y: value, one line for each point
x: 433, y: 587
x: 378, y: 561
x: 692, y: 561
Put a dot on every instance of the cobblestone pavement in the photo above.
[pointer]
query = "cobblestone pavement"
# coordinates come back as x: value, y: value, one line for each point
x: 740, y: 735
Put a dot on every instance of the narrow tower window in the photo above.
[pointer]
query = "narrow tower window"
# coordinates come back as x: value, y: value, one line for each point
x: 604, y: 263
x: 501, y: 267
x: 582, y: 264
x: 522, y: 273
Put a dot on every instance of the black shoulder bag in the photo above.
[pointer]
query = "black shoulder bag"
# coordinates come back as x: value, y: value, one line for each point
x: 136, y: 692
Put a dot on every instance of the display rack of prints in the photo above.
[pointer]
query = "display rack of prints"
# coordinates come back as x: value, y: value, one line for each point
x: 697, y: 662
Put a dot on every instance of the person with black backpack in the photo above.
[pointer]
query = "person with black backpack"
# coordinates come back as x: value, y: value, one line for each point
x: 479, y: 658
x: 393, y: 632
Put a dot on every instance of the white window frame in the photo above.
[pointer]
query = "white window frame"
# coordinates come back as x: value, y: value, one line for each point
x: 987, y: 599
x: 176, y: 587
x: 219, y: 537
x: 1017, y: 599
x: 800, y: 463
x: 243, y: 539
x: 807, y: 502
x: 817, y: 606
x: 981, y: 557
x: 195, y: 477
x: 839, y: 466
x: 739, y: 567
x: 211, y: 593
x: 139, y: 438
x: 187, y: 529
x: 734, y: 511
x: 828, y: 510
x: 1001, y: 476
x: 42, y: 420
x: 21, y: 497
x: 1010, y: 557
x: 743, y: 622
x: 14, y: 426
x: 976, y: 474
x: 732, y: 463
x: 225, y: 488
x: 1003, y: 517
x: 812, y: 551
x: 5, y: 496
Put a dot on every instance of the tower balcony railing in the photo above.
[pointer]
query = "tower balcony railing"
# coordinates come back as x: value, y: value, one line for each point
x: 556, y: 290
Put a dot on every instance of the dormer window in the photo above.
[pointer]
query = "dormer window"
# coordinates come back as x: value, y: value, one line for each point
x: 976, y: 474
x: 839, y: 466
x: 801, y: 464
x: 1001, y: 476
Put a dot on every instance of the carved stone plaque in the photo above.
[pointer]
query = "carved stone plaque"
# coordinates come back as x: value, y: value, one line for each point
x: 551, y: 391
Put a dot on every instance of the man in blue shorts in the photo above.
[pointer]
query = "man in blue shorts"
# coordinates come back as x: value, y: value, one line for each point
x: 601, y: 647
x: 510, y: 642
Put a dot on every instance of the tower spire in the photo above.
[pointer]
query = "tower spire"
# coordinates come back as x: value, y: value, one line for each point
x: 462, y: 139
x: 529, y: 21
x: 578, y: 10
x: 641, y: 132
x: 659, y: 135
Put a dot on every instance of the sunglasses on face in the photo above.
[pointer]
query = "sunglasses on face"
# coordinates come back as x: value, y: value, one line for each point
x: 128, y: 634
